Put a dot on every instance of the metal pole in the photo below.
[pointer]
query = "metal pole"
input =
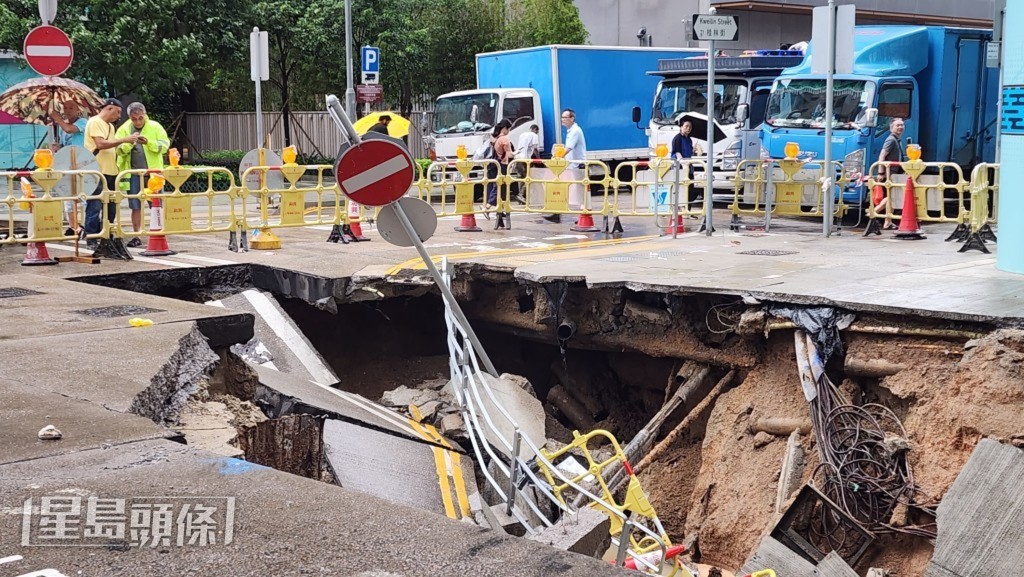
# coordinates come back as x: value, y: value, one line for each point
x: 769, y: 196
x: 350, y: 93
x: 342, y: 119
x: 259, y: 115
x: 675, y: 202
x: 709, y: 170
x: 513, y: 474
x: 827, y: 173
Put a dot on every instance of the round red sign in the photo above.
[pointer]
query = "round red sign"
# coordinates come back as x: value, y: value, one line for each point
x: 375, y: 172
x: 48, y: 50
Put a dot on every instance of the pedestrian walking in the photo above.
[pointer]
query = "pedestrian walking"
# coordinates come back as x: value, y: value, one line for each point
x: 892, y: 152
x: 147, y: 152
x: 100, y: 140
x: 503, y: 153
x: 576, y: 154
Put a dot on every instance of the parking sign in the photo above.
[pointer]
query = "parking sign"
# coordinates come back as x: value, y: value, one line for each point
x: 370, y: 56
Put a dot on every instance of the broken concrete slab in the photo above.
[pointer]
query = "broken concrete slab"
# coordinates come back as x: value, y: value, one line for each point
x: 524, y: 408
x: 149, y: 371
x: 404, y: 396
x: 399, y: 470
x: 980, y: 516
x: 280, y: 394
x: 585, y: 533
x: 774, y: 555
x: 63, y: 307
x: 286, y: 345
x: 834, y: 566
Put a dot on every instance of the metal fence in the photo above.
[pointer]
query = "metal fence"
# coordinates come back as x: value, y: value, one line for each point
x: 312, y: 132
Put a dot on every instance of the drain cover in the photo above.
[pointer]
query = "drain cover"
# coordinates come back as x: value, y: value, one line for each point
x: 14, y: 292
x: 754, y: 234
x: 768, y: 252
x: 118, y: 311
x: 624, y: 258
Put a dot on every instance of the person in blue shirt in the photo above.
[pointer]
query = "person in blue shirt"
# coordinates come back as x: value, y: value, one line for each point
x: 71, y: 123
x: 682, y: 144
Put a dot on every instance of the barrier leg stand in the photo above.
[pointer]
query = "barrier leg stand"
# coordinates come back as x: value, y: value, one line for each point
x: 960, y: 233
x: 337, y: 235
x: 874, y: 227
x: 986, y: 233
x: 264, y: 237
x: 617, y: 227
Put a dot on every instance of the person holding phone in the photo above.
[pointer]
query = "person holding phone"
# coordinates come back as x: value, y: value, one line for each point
x: 147, y: 152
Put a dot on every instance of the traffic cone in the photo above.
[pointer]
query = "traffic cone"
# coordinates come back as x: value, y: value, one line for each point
x: 36, y: 255
x: 654, y: 557
x: 585, y: 224
x: 909, y: 228
x: 355, y: 228
x: 676, y: 228
x: 468, y: 224
x: 157, y: 245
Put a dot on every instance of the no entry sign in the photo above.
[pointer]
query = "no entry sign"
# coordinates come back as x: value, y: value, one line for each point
x: 375, y: 172
x: 48, y: 50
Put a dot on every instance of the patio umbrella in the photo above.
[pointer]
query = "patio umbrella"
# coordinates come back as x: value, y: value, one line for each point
x: 34, y: 99
x: 397, y: 128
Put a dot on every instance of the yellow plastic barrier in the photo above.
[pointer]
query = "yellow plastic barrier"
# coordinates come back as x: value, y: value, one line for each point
x: 559, y: 186
x: 32, y: 211
x: 634, y: 501
x: 313, y: 202
x: 984, y: 196
x: 200, y: 211
x: 789, y: 186
x: 653, y: 188
x: 940, y: 190
x: 452, y: 187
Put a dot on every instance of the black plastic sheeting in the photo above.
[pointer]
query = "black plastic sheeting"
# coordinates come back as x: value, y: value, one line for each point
x: 823, y: 324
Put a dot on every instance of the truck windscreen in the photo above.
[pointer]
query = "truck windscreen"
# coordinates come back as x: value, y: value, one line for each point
x: 800, y: 103
x: 465, y: 113
x: 677, y: 97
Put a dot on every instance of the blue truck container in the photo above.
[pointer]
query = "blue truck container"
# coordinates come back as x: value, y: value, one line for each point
x: 532, y: 85
x: 933, y: 77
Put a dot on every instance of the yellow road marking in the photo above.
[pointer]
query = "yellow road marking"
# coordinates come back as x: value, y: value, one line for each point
x: 448, y: 463
x: 418, y: 264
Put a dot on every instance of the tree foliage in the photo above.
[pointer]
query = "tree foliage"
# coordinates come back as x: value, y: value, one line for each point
x: 187, y: 55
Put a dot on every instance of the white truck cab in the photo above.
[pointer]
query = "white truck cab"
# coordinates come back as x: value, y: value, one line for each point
x: 467, y: 117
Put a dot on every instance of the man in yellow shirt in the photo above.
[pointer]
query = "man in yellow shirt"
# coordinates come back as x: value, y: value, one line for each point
x: 100, y: 140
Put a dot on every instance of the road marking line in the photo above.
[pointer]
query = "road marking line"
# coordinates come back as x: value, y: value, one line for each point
x: 446, y: 489
x: 11, y: 559
x: 195, y: 257
x: 138, y: 258
x: 453, y: 462
x: 290, y: 336
x: 370, y: 177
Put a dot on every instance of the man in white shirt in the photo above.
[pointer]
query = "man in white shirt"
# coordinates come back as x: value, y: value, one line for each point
x: 576, y: 154
x: 529, y: 144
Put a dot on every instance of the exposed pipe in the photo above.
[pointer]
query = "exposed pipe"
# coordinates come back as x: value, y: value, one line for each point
x: 565, y: 330
x: 877, y: 330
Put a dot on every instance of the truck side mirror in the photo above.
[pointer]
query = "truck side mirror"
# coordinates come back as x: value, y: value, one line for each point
x: 636, y: 116
x: 871, y: 117
x: 742, y: 111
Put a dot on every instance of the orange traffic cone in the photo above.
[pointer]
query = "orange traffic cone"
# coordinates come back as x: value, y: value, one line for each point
x: 909, y: 228
x: 355, y: 227
x: 585, y: 224
x: 676, y: 228
x: 655, y: 556
x: 468, y: 224
x: 37, y: 255
x: 157, y: 245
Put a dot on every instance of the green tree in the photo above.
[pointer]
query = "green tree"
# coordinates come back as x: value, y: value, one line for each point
x: 539, y: 22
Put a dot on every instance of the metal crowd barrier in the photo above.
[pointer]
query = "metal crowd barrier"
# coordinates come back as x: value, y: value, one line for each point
x: 452, y: 187
x: 661, y: 188
x: 316, y: 203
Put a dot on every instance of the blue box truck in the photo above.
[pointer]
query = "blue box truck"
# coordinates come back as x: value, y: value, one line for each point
x: 933, y: 77
x: 532, y: 86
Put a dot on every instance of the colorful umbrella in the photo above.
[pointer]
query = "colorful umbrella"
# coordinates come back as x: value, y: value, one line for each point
x: 398, y: 127
x: 33, y: 100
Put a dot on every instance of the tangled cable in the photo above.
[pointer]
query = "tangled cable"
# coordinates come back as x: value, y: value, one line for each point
x: 863, y: 462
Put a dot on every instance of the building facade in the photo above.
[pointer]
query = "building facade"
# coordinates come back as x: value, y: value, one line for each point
x: 763, y: 23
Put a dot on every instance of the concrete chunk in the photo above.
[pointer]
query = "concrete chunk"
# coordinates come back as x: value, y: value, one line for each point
x: 585, y: 533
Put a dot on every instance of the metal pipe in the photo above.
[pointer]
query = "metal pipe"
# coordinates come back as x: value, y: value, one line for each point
x: 709, y: 170
x: 513, y: 477
x: 566, y: 330
x: 350, y: 93
x: 826, y: 170
x: 877, y: 330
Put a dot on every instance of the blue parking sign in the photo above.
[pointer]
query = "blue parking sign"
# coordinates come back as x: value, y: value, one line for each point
x: 370, y: 58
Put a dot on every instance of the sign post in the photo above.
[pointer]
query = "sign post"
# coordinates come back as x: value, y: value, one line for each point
x: 48, y: 50
x: 259, y: 70
x: 836, y: 24
x: 369, y: 59
x: 709, y: 28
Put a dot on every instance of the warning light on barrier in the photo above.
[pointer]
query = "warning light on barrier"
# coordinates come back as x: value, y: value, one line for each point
x: 288, y: 155
x: 914, y: 151
x: 558, y: 151
x: 792, y: 150
x: 661, y: 151
x: 155, y: 184
x: 460, y: 151
x: 174, y: 157
x: 43, y: 158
